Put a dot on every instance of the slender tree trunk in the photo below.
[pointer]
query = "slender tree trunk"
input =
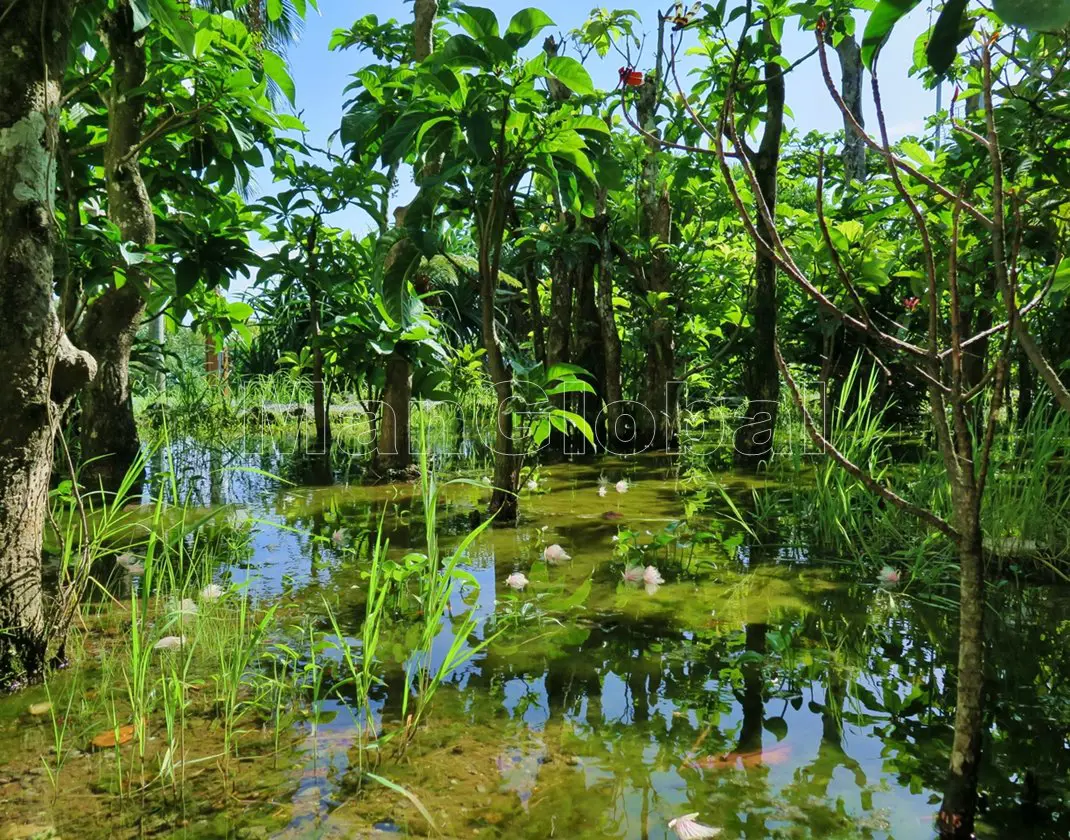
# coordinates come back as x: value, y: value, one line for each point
x: 320, y: 414
x: 538, y: 335
x: 503, y: 501
x: 40, y: 369
x: 110, y: 442
x: 956, y: 818
x: 612, y: 390
x: 754, y: 438
x: 588, y: 352
x: 854, y: 147
x: 656, y: 426
x: 392, y: 451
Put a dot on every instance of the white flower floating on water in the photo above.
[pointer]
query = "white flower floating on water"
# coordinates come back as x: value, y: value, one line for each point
x: 555, y: 554
x: 532, y: 484
x: 602, y: 490
x: 687, y: 828
x: 888, y: 576
x: 339, y: 536
x: 622, y: 486
x: 652, y: 579
x: 212, y: 592
x: 485, y: 480
x: 517, y: 580
x: 170, y: 643
x: 634, y: 574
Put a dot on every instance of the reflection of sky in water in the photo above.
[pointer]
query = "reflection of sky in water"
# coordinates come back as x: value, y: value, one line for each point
x: 633, y: 714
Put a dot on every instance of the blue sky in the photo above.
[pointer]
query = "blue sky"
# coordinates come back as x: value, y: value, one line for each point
x: 320, y: 75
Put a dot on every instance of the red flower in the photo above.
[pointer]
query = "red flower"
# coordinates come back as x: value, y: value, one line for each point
x: 911, y: 303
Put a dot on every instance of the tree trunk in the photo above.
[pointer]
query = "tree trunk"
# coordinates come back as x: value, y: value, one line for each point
x: 503, y: 501
x: 957, y: 812
x: 587, y: 350
x: 392, y: 451
x: 538, y: 336
x: 754, y: 438
x: 655, y: 426
x: 109, y: 432
x: 39, y: 368
x: 854, y: 147
x: 557, y: 333
x: 612, y: 390
x: 394, y: 448
x: 320, y: 412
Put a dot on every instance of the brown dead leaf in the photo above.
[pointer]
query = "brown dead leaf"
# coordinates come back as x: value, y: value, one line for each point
x: 114, y: 737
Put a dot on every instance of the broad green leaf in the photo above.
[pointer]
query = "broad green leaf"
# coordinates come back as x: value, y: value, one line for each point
x: 916, y: 152
x: 276, y: 70
x: 570, y: 73
x: 274, y: 10
x: 525, y: 25
x: 478, y: 22
x: 463, y: 51
x: 142, y: 15
x: 169, y: 15
x: 880, y: 24
x: 1038, y: 15
x: 952, y: 28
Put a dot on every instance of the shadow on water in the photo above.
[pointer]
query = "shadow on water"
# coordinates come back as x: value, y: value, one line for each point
x: 774, y: 694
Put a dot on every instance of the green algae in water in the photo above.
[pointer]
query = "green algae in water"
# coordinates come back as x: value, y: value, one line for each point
x: 759, y: 688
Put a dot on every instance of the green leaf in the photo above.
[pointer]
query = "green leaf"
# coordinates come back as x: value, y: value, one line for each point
x: 276, y: 70
x: 916, y: 152
x: 142, y: 15
x: 462, y: 51
x: 575, y: 420
x: 170, y: 16
x: 952, y: 28
x: 478, y: 22
x: 1038, y: 15
x: 570, y: 73
x: 880, y: 24
x: 274, y: 10
x: 525, y: 25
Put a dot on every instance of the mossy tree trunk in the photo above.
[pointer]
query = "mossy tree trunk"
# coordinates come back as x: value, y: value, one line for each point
x: 40, y: 370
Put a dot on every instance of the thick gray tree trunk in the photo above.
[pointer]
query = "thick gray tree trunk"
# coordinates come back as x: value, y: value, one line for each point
x: 39, y: 368
x: 109, y: 432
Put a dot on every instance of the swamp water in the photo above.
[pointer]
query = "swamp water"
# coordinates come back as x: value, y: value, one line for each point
x: 775, y: 695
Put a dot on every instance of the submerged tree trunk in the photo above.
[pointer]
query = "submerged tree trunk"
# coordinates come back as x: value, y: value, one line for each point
x: 956, y: 818
x: 761, y: 380
x: 655, y: 427
x: 110, y: 442
x: 40, y: 369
